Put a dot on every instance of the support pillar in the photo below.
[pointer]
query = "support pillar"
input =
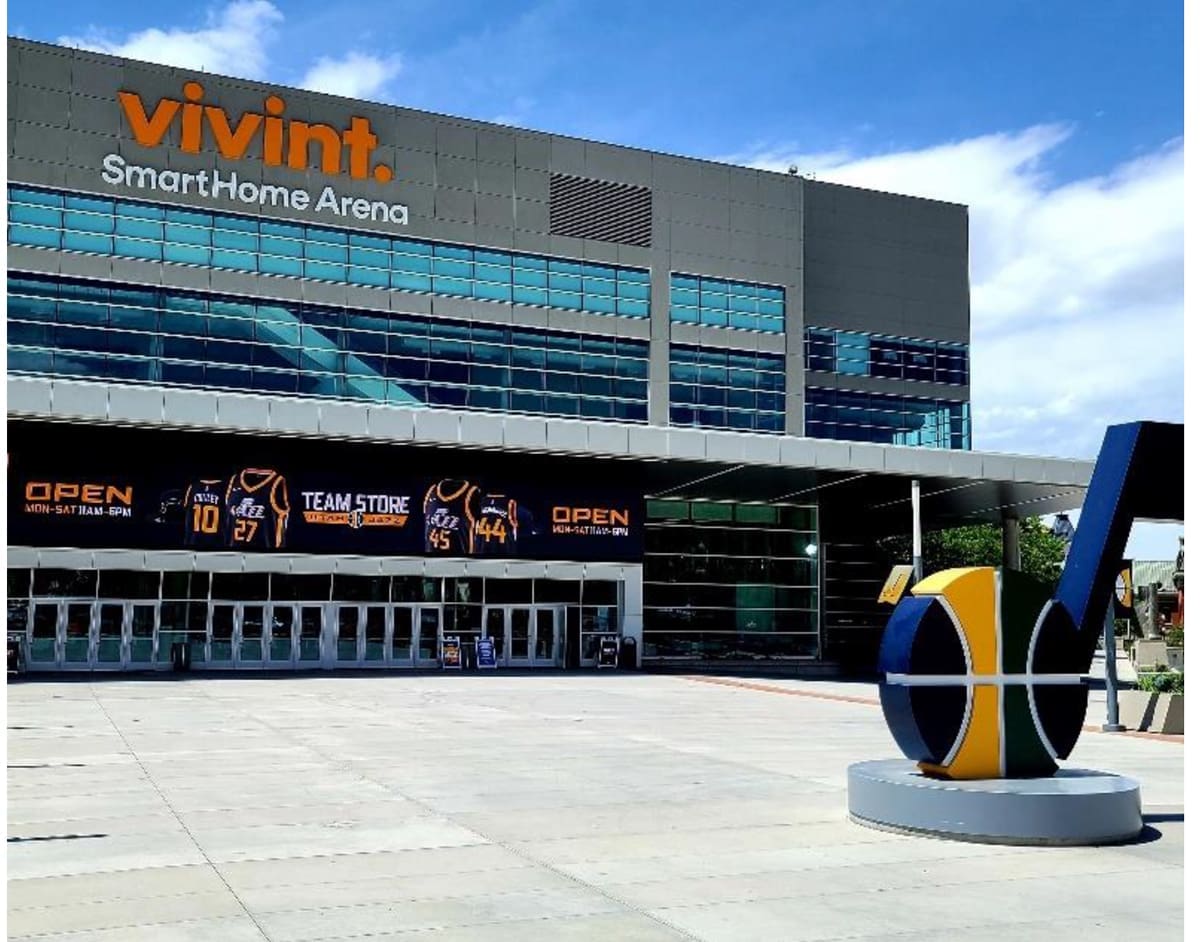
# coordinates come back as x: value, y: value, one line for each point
x: 918, y: 567
x: 1011, y: 558
x: 1113, y: 724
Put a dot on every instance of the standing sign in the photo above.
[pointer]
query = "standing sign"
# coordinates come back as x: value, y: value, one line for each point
x: 451, y: 653
x: 1123, y: 600
x: 897, y: 582
x: 609, y: 646
x: 485, y: 653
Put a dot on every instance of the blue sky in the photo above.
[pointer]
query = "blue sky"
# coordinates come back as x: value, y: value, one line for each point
x: 1060, y: 125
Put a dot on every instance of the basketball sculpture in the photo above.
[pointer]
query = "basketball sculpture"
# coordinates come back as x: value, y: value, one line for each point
x: 983, y: 671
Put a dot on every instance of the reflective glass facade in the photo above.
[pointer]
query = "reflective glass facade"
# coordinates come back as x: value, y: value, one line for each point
x: 857, y: 354
x: 59, y: 327
x: 726, y: 389
x: 730, y: 581
x: 886, y: 420
x: 718, y: 302
x: 157, y: 233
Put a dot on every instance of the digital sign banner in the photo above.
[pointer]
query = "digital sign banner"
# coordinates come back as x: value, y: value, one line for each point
x: 214, y: 505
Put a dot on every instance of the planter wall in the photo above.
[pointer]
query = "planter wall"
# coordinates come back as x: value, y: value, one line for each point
x: 1152, y: 712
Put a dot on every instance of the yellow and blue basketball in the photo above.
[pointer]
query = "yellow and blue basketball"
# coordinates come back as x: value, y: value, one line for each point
x: 981, y: 676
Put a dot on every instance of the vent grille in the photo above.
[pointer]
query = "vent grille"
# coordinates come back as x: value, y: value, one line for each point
x: 596, y: 209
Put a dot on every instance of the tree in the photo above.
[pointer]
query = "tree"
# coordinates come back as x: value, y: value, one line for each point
x: 983, y: 545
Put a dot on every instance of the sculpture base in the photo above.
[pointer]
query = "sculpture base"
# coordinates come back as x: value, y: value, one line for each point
x: 1074, y: 806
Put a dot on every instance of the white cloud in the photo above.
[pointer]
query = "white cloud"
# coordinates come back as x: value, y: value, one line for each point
x: 355, y: 75
x: 1076, y: 288
x: 233, y: 41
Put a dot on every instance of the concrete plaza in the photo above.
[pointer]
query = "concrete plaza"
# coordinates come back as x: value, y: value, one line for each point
x: 481, y: 807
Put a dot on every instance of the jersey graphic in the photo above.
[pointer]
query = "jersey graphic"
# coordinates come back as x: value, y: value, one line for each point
x: 256, y: 507
x: 204, y: 513
x: 450, y: 518
x: 496, y: 530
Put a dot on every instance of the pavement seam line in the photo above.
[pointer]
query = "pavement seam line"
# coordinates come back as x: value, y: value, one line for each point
x: 178, y: 819
x: 867, y: 701
x: 346, y: 765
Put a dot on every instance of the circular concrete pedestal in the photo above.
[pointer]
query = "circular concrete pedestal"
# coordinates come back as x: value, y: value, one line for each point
x: 1075, y: 806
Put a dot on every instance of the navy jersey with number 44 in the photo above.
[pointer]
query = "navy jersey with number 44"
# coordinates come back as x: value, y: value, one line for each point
x: 496, y: 529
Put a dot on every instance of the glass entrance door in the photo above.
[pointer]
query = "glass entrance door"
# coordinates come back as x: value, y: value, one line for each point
x: 429, y: 630
x: 495, y: 626
x: 110, y: 634
x: 518, y: 650
x: 220, y: 634
x: 400, y: 646
x: 524, y: 635
x: 281, y: 645
x: 251, y: 625
x: 374, y: 631
x: 77, y: 635
x: 43, y: 634
x: 140, y: 635
x: 348, y: 648
x: 548, y: 633
x: 312, y: 617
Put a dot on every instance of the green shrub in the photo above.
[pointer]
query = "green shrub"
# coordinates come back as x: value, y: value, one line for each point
x: 1161, y: 681
x: 1174, y: 637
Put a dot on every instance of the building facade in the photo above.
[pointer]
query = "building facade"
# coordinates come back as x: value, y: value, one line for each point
x: 300, y: 381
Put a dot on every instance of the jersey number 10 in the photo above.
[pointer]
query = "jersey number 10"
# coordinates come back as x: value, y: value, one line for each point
x: 206, y: 518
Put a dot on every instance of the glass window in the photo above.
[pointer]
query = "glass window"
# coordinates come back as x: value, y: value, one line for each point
x: 718, y: 302
x: 226, y: 240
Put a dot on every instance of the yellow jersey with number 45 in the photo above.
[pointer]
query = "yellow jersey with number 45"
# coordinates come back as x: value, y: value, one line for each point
x: 256, y: 509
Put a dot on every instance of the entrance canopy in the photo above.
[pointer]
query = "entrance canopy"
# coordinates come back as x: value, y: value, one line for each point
x: 858, y: 485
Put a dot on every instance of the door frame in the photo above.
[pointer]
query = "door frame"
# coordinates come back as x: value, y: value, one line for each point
x: 504, y: 656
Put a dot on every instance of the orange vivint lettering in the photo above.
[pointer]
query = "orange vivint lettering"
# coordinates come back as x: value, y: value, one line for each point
x: 66, y: 491
x: 233, y: 140
x: 600, y: 516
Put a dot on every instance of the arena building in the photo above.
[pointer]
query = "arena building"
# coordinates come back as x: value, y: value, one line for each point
x: 300, y: 382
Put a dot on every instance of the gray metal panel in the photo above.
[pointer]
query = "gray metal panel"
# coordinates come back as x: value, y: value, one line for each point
x: 21, y: 557
x: 431, y: 425
x: 187, y: 407
x: 482, y: 429
x: 343, y: 419
x: 30, y: 395
x: 297, y: 416
x: 81, y: 400
x: 136, y: 403
x: 566, y: 435
x: 65, y: 559
x: 455, y: 139
x: 221, y: 562
x: 244, y: 412
x: 171, y: 560
x: 608, y: 438
x: 533, y: 152
x: 119, y: 559
x: 524, y: 432
x: 686, y: 443
x: 648, y: 441
x: 529, y: 215
x: 390, y: 423
x: 356, y: 565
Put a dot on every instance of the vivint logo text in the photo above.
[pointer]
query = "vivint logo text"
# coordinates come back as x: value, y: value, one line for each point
x: 283, y: 143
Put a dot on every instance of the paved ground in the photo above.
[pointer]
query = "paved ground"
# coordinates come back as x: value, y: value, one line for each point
x: 532, y: 807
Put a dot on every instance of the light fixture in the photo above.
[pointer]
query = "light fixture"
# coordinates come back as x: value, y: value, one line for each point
x: 811, y: 549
